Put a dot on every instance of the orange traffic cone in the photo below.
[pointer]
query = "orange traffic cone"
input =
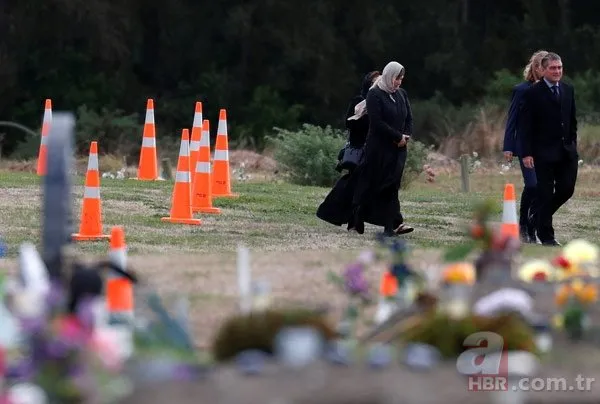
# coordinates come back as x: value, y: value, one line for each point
x: 510, y: 223
x: 119, y: 290
x: 202, y: 183
x: 90, y: 227
x: 195, y: 139
x: 388, y: 288
x: 148, y: 165
x: 43, y: 152
x: 181, y: 205
x: 221, y: 176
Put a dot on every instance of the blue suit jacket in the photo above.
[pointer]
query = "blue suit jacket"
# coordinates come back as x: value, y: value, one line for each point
x: 512, y: 141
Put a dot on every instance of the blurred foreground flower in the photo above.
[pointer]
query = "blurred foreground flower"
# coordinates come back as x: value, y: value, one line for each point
x: 536, y: 270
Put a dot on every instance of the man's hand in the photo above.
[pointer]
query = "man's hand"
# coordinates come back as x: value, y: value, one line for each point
x: 528, y: 162
x: 508, y: 155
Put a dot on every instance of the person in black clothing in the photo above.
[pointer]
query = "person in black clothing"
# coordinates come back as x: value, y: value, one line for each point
x: 350, y: 155
x: 380, y: 172
x: 512, y: 147
x: 336, y: 208
x: 549, y: 143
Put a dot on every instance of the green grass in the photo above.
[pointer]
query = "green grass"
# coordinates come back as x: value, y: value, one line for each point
x: 279, y: 216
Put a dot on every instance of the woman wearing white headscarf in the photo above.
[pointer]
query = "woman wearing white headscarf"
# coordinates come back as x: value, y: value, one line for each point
x: 379, y: 174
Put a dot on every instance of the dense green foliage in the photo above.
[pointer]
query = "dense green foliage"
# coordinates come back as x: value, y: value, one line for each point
x: 275, y: 63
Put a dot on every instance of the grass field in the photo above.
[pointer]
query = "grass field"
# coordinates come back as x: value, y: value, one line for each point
x: 290, y: 246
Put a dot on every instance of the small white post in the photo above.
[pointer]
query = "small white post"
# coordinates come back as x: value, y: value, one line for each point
x: 244, y: 278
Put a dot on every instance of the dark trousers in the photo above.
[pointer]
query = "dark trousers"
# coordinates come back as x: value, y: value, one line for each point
x: 555, y: 186
x: 527, y: 208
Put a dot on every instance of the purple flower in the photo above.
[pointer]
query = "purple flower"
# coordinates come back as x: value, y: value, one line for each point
x: 354, y: 280
x: 186, y: 372
x: 85, y: 313
x: 21, y: 371
x: 32, y: 325
x: 57, y: 349
x: 55, y: 297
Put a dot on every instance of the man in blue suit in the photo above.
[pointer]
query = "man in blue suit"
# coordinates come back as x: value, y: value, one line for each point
x: 512, y: 147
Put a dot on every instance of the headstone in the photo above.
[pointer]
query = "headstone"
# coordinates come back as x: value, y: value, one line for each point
x: 297, y: 347
x: 421, y: 356
x: 380, y: 355
x: 57, y: 219
x: 251, y: 362
x: 339, y: 352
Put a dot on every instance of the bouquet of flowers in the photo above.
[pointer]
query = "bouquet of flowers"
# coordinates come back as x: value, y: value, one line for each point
x: 57, y: 347
x: 58, y: 357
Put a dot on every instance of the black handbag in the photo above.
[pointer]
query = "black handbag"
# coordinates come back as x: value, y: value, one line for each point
x: 350, y: 157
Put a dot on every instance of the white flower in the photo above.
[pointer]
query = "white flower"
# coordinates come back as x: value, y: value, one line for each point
x: 28, y: 303
x: 26, y: 393
x: 366, y: 257
x: 507, y: 299
x: 475, y: 154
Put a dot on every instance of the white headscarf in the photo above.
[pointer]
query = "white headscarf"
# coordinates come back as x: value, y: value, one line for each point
x: 384, y: 82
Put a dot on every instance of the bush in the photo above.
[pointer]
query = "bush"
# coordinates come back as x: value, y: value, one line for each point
x: 308, y: 156
x: 416, y: 158
x: 257, y: 330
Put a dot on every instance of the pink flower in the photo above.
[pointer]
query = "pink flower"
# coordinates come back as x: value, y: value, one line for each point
x: 2, y: 363
x: 70, y: 329
x: 105, y: 344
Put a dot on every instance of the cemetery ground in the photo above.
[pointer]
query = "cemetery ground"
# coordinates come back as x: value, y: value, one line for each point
x: 290, y: 246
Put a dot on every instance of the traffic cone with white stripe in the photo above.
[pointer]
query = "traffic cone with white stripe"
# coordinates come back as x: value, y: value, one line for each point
x: 202, y: 183
x: 148, y: 165
x: 181, y: 205
x: 221, y: 177
x: 388, y: 288
x: 90, y: 227
x: 43, y: 152
x: 119, y: 290
x: 195, y: 139
x: 510, y: 222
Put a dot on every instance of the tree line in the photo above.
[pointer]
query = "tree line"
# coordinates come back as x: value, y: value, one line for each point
x: 271, y: 63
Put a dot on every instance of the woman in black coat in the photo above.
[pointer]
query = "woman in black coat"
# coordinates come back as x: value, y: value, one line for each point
x: 380, y: 172
x: 357, y: 128
x: 336, y: 208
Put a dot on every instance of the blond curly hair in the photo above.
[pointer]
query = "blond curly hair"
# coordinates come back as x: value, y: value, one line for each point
x: 530, y: 71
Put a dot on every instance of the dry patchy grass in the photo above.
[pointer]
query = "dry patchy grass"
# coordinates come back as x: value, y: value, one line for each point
x: 291, y: 247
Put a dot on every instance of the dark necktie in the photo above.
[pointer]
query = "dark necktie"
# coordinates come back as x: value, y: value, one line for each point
x: 555, y: 91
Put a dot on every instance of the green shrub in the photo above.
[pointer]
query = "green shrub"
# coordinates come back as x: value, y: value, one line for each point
x: 308, y: 156
x: 257, y: 330
x: 416, y: 158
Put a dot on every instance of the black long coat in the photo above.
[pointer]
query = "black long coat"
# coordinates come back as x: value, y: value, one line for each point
x: 375, y: 183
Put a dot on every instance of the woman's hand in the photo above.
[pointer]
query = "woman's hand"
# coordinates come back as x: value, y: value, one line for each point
x: 402, y: 143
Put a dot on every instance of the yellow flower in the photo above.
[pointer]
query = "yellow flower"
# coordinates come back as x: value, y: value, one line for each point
x: 562, y: 294
x: 460, y: 272
x: 582, y: 255
x: 585, y: 293
x: 536, y: 270
x: 558, y: 321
